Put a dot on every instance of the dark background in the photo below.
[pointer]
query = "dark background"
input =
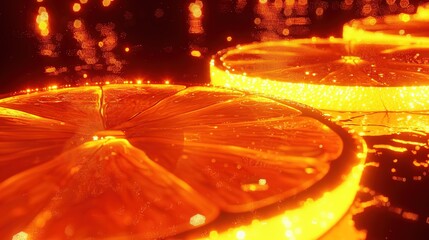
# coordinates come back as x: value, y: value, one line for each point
x: 157, y: 33
x: 160, y: 46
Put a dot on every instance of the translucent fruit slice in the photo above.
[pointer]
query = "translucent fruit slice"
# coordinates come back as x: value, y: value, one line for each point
x: 329, y: 74
x: 100, y: 189
x: 153, y: 161
x: 400, y: 29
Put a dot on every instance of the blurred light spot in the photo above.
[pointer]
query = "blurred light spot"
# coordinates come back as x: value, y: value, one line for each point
x: 263, y: 1
x: 42, y: 21
x: 319, y: 11
x: 83, y: 1
x: 351, y: 59
x: 20, y: 236
x: 404, y: 17
x: 127, y: 49
x: 159, y: 13
x: 76, y: 7
x: 195, y: 53
x: 106, y: 3
x: 241, y: 234
x: 77, y: 23
x: 196, y: 9
x: 404, y: 3
x: 50, y: 69
x: 197, y: 220
x: 257, y: 21
x: 85, y: 75
x: 366, y: 9
x: 286, y: 32
x: 229, y: 38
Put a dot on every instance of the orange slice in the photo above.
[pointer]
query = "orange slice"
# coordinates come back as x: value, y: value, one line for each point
x: 155, y: 161
x: 329, y: 74
x: 400, y: 29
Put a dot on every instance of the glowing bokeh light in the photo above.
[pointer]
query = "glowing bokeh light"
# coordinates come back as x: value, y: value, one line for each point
x: 195, y: 17
x: 76, y: 7
x: 106, y: 3
x: 42, y: 21
x: 195, y: 53
x: 329, y: 74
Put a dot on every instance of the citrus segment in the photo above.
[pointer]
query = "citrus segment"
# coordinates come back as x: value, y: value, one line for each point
x: 27, y: 140
x: 124, y: 102
x: 225, y: 147
x: 101, y: 189
x: 70, y: 106
x: 165, y: 166
x: 329, y: 74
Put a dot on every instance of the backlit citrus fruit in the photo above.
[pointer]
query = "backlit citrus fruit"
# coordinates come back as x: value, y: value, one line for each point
x: 400, y: 29
x: 329, y: 74
x: 155, y: 161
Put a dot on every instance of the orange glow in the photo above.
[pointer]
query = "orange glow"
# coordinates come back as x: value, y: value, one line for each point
x: 83, y: 1
x: 85, y: 75
x: 77, y: 23
x: 50, y: 69
x: 76, y: 7
x: 103, y: 152
x: 319, y: 11
x: 195, y: 17
x: 337, y: 88
x: 42, y: 21
x: 195, y: 53
x: 20, y: 236
x: 422, y: 12
x: 107, y: 3
x: 127, y: 49
x: 167, y: 82
x: 196, y: 9
x: 310, y: 220
x: 229, y: 38
x: 399, y: 29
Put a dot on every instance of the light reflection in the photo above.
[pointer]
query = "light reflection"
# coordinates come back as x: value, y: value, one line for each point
x: 310, y: 220
x: 20, y: 236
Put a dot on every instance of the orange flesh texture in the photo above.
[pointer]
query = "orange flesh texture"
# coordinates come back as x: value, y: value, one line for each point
x: 174, y: 153
x: 332, y: 63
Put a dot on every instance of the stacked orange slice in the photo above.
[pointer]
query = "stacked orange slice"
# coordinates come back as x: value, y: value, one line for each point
x: 329, y: 74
